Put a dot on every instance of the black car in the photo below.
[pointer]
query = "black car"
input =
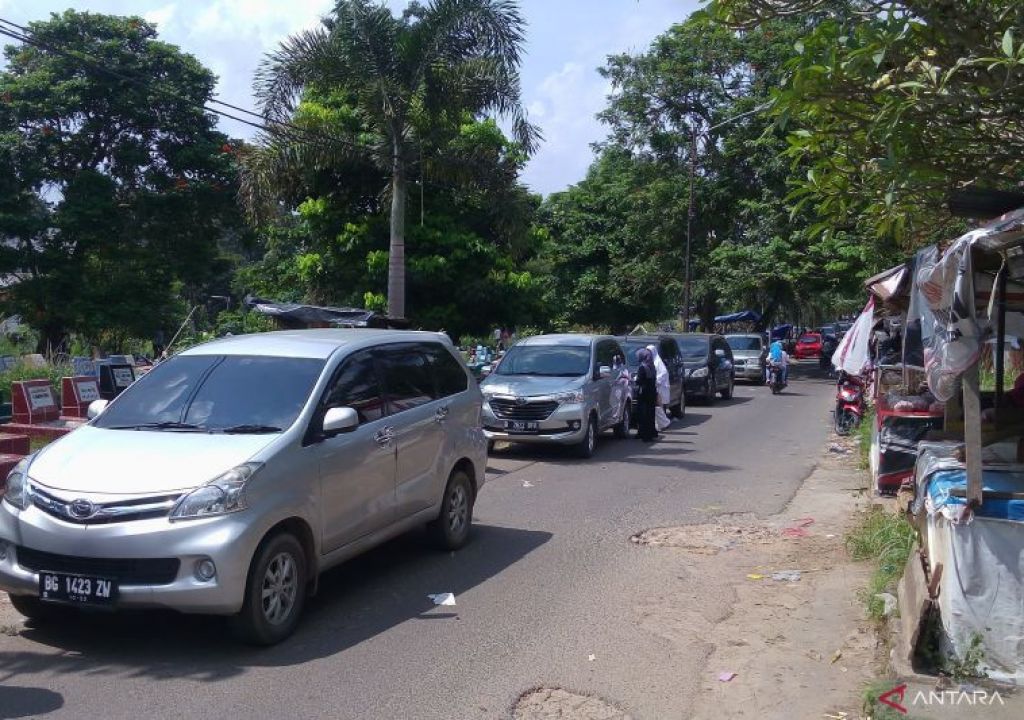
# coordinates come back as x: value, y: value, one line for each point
x: 709, y: 366
x: 669, y: 352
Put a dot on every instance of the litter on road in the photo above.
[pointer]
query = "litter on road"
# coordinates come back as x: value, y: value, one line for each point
x: 755, y: 576
x: 726, y: 676
x: 786, y: 576
x: 795, y: 532
x: 443, y: 598
x: 527, y: 484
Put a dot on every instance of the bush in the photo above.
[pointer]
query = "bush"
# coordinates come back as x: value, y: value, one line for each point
x: 53, y: 373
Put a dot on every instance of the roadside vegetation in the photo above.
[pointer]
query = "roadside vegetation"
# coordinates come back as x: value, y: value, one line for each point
x: 885, y: 538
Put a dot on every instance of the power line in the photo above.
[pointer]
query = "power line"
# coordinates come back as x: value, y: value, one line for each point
x: 23, y: 34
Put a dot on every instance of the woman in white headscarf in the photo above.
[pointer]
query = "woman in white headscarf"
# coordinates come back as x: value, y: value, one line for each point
x: 661, y: 419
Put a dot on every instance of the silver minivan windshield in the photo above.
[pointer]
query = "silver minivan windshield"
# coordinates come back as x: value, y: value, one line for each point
x: 546, y: 360
x: 216, y: 393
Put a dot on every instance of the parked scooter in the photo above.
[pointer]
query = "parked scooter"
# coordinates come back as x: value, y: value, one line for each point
x: 849, y: 403
x: 775, y: 377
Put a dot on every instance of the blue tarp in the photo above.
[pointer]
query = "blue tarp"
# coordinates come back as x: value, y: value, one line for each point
x: 944, y: 481
x: 780, y: 332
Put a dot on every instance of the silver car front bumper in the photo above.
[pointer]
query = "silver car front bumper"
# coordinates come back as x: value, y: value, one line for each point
x: 565, y: 426
x: 227, y: 540
x: 749, y: 371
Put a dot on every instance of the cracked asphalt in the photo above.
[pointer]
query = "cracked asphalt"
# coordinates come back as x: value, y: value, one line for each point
x: 550, y: 593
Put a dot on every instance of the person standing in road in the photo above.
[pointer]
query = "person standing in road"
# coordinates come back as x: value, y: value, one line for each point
x: 661, y: 419
x: 647, y: 396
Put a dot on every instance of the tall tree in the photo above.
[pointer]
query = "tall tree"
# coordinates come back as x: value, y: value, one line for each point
x: 116, y: 186
x: 406, y: 79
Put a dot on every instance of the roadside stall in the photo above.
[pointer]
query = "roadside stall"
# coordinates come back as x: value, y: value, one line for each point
x: 905, y: 410
x: 969, y: 487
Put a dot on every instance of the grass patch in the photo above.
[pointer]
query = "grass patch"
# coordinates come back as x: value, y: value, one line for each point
x: 874, y: 710
x: 864, y: 435
x: 886, y: 538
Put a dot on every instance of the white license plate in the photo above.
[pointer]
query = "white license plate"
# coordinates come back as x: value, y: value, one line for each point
x: 521, y: 426
x: 77, y: 589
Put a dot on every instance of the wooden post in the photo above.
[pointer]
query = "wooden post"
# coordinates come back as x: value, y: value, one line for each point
x: 972, y: 435
x: 1000, y: 287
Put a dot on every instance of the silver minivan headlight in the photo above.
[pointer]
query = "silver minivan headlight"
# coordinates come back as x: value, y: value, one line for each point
x: 222, y: 495
x: 17, y: 492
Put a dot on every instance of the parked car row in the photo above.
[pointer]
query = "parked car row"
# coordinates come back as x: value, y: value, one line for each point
x: 229, y: 477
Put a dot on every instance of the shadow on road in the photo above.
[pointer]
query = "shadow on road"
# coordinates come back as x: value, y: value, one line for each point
x: 22, y: 702
x: 356, y: 601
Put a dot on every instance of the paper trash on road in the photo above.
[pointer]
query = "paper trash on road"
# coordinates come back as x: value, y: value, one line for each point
x: 786, y: 576
x: 443, y: 598
x: 527, y: 484
x: 591, y: 658
x: 726, y: 676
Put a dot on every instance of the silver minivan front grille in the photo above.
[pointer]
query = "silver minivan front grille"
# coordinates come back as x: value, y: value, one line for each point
x: 86, y: 512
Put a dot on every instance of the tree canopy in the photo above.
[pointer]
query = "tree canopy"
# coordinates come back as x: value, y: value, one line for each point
x: 117, y: 188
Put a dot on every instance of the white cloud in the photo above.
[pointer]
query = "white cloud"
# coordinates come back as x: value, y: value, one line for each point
x: 160, y: 16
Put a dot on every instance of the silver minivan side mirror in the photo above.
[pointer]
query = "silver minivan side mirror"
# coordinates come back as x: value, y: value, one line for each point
x: 340, y: 420
x: 96, y: 407
x: 720, y: 352
x: 604, y: 372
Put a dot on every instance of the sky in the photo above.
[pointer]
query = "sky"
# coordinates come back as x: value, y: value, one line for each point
x: 567, y: 40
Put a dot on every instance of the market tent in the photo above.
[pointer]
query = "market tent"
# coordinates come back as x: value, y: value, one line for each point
x: 781, y: 332
x: 852, y: 355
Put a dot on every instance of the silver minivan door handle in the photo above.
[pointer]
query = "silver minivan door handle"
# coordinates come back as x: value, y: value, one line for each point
x: 384, y: 436
x: 441, y: 415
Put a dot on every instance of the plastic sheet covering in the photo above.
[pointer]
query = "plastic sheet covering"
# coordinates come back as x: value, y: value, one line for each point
x: 932, y: 457
x: 940, y: 499
x: 948, y: 288
x: 982, y: 590
x: 920, y: 319
x: 853, y: 355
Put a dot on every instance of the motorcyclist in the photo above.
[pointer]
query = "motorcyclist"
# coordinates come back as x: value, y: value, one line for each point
x: 778, y: 356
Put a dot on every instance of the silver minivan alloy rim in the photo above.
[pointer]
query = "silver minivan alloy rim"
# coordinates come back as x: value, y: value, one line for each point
x: 280, y: 588
x: 458, y: 509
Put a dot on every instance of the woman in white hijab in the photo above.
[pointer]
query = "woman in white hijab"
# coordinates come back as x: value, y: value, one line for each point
x: 661, y: 419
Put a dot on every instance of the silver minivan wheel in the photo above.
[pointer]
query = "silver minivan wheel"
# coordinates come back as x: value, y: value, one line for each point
x: 275, y: 591
x: 588, y: 444
x: 279, y: 589
x: 455, y: 519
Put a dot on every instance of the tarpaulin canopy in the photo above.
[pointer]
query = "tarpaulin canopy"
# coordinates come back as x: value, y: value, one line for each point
x: 295, y: 315
x: 781, y: 332
x: 886, y: 284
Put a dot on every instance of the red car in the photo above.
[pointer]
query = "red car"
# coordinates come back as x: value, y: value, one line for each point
x: 808, y: 346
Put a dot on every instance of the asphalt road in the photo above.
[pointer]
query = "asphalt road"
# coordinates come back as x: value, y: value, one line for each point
x: 549, y: 580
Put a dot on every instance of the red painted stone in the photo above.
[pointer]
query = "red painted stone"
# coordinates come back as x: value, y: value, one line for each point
x: 33, y: 402
x: 14, y: 444
x: 77, y: 393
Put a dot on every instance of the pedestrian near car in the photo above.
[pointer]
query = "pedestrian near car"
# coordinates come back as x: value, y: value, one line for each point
x: 661, y: 419
x: 647, y: 396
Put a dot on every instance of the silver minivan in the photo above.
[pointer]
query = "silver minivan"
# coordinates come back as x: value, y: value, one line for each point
x: 229, y: 477
x: 560, y: 389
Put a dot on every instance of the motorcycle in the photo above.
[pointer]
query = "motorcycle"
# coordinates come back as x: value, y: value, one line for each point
x: 775, y: 379
x: 849, y: 403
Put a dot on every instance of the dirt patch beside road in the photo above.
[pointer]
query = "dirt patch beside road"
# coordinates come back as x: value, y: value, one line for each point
x: 779, y: 611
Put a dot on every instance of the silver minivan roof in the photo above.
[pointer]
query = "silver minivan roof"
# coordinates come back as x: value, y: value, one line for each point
x: 563, y: 339
x: 319, y: 344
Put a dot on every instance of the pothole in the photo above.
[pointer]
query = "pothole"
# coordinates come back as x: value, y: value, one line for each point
x: 560, y: 704
x: 705, y: 539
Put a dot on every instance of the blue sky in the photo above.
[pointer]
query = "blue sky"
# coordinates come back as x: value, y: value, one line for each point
x: 567, y: 41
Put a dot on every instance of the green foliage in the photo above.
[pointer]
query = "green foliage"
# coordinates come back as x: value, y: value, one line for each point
x: 52, y: 372
x: 890, y: 106
x: 115, y: 197
x: 886, y: 538
x: 241, y: 322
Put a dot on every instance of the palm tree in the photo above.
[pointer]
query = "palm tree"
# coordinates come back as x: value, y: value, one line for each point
x: 400, y: 75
